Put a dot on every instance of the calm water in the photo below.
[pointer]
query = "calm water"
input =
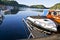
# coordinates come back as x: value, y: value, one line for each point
x: 12, y: 26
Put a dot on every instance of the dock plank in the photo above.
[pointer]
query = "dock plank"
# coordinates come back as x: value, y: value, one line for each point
x: 37, y: 33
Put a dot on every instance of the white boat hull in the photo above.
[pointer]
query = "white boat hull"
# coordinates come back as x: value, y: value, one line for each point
x: 44, y: 23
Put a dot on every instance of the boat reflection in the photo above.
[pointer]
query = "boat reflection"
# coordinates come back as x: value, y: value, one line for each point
x: 1, y: 19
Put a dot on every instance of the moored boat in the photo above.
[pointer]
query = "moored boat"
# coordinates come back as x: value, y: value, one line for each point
x: 55, y: 15
x: 44, y: 23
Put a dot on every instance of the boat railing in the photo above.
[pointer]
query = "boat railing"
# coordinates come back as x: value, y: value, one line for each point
x: 29, y: 28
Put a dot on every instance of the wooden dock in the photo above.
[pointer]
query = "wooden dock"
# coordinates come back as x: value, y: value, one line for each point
x: 35, y: 32
x: 53, y: 37
x: 38, y: 34
x: 6, y: 11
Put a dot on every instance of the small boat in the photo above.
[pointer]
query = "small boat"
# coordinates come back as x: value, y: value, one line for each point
x: 55, y: 15
x: 44, y: 23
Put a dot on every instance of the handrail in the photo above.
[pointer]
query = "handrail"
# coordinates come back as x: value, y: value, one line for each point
x: 29, y: 28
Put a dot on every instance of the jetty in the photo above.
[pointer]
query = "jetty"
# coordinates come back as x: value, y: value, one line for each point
x: 5, y: 11
x: 39, y: 34
x: 53, y: 37
x: 35, y: 32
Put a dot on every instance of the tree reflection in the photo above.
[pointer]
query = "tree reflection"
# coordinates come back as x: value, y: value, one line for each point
x: 1, y: 20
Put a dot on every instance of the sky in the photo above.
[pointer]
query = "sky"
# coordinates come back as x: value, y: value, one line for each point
x: 47, y: 3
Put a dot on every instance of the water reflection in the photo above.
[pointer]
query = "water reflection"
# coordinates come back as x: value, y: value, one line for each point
x: 11, y: 12
x: 12, y: 26
x: 23, y: 9
x: 14, y: 11
x: 1, y: 20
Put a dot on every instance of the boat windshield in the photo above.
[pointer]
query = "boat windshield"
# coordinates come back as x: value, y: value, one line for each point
x: 53, y: 13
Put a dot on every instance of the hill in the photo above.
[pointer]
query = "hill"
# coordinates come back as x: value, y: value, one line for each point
x: 38, y: 6
x: 12, y: 3
x: 56, y: 6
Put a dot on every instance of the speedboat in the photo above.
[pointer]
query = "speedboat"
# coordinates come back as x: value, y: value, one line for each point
x: 44, y: 23
x: 55, y: 15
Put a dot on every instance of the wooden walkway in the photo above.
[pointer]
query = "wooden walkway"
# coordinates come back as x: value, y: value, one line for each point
x: 39, y: 34
x: 53, y: 37
x: 35, y: 32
